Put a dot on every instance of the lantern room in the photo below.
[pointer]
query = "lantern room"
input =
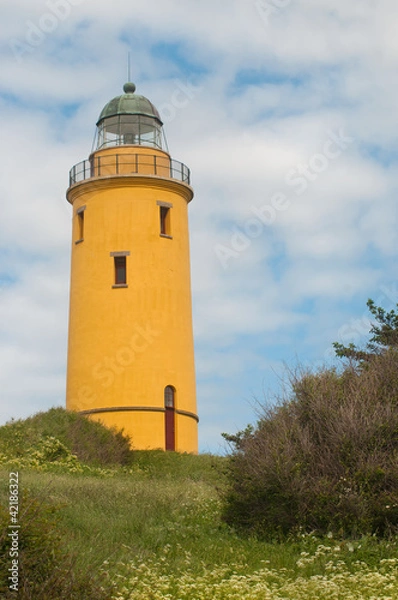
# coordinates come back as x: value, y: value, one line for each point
x: 130, y: 119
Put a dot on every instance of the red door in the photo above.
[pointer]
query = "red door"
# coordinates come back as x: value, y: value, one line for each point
x: 170, y: 429
x: 169, y: 418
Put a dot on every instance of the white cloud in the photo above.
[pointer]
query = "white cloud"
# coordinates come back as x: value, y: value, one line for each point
x: 266, y: 97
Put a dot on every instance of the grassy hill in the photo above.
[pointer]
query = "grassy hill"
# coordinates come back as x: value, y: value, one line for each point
x: 101, y: 522
x: 89, y: 441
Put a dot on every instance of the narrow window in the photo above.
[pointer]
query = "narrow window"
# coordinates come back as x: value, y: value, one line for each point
x: 80, y: 221
x: 120, y: 270
x: 164, y: 220
x: 80, y: 224
x: 169, y: 397
x: 164, y: 216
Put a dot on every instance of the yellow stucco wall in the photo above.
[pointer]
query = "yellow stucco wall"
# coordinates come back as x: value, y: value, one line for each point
x: 126, y: 344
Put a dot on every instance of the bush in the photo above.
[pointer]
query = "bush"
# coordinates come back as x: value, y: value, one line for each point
x: 46, y: 571
x: 90, y: 441
x: 325, y: 459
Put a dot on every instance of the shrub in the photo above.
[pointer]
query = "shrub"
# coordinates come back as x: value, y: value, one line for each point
x: 325, y: 459
x: 90, y: 441
x: 46, y: 571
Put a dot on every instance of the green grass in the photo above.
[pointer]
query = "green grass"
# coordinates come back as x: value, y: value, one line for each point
x: 153, y: 529
x: 160, y: 526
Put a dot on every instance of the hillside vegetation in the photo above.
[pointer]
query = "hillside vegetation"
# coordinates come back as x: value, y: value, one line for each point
x: 56, y: 434
x: 151, y: 529
x: 325, y: 458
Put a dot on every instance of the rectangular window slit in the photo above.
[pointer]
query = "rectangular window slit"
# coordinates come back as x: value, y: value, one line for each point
x: 164, y: 220
x: 80, y: 224
x: 120, y: 270
x: 80, y: 221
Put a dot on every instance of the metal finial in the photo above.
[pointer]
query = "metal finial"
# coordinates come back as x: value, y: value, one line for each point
x: 129, y: 88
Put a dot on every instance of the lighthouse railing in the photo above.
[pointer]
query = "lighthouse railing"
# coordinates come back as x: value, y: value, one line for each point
x: 129, y: 164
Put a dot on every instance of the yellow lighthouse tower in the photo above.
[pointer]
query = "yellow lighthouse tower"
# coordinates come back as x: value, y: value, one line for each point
x: 130, y: 350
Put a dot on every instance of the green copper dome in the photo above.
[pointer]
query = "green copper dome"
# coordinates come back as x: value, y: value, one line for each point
x: 129, y: 103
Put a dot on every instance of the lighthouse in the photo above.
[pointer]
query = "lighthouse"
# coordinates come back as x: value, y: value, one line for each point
x: 130, y: 344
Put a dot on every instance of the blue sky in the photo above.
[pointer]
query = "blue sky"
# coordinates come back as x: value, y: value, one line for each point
x: 285, y: 111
